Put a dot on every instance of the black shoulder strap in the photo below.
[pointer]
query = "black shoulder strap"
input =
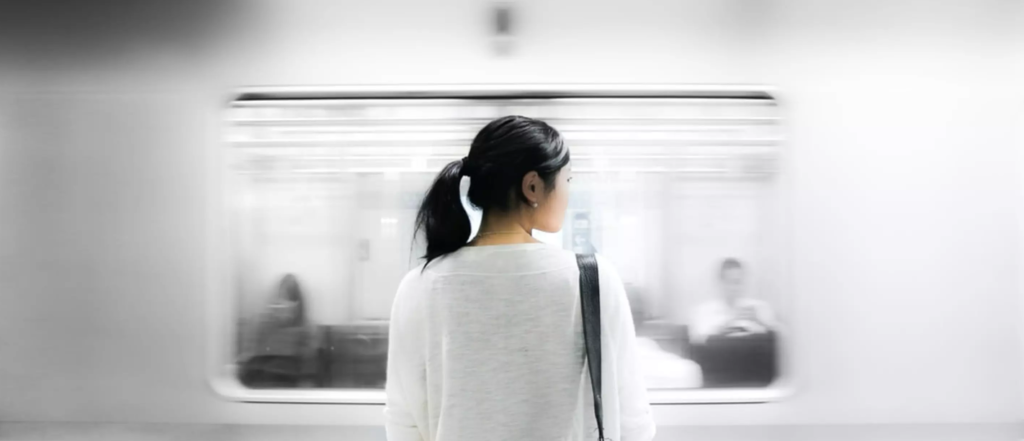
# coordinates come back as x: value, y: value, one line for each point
x: 590, y: 303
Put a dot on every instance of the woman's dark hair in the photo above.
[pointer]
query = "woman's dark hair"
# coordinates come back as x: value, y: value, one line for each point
x: 729, y: 264
x: 502, y: 153
x: 289, y: 290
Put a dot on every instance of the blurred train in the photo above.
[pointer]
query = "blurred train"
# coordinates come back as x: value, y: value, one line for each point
x: 206, y: 207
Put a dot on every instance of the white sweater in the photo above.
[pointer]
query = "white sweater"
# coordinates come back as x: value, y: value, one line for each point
x: 487, y: 344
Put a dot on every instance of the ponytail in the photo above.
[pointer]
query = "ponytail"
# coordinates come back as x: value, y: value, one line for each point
x: 504, y: 151
x: 441, y: 216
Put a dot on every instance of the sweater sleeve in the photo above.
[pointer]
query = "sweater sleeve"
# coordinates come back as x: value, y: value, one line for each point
x: 635, y: 419
x: 406, y: 381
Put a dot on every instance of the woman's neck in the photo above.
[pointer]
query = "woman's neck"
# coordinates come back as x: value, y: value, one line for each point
x: 502, y: 230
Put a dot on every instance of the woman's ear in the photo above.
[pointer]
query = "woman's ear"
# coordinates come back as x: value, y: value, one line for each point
x: 532, y: 185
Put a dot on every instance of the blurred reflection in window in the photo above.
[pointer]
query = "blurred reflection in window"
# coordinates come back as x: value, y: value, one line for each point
x: 283, y: 354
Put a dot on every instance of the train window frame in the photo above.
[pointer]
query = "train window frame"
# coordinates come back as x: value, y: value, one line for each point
x: 223, y: 311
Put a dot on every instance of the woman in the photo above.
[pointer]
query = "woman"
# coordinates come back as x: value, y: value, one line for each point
x: 284, y: 353
x: 486, y: 340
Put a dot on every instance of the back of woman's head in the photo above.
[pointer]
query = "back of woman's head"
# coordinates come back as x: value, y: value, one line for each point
x: 502, y: 153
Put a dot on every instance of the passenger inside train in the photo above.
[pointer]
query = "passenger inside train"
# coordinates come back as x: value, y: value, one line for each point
x: 283, y: 355
x: 734, y: 336
x: 732, y: 313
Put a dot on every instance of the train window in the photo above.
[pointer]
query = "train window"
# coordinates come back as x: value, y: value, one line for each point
x: 680, y: 188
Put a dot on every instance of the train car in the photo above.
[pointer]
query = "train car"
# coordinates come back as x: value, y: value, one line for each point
x: 206, y: 207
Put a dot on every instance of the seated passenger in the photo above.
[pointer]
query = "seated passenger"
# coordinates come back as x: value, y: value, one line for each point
x: 284, y: 354
x: 731, y: 314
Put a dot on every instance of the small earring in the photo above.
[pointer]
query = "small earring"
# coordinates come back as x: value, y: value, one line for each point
x: 534, y: 205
